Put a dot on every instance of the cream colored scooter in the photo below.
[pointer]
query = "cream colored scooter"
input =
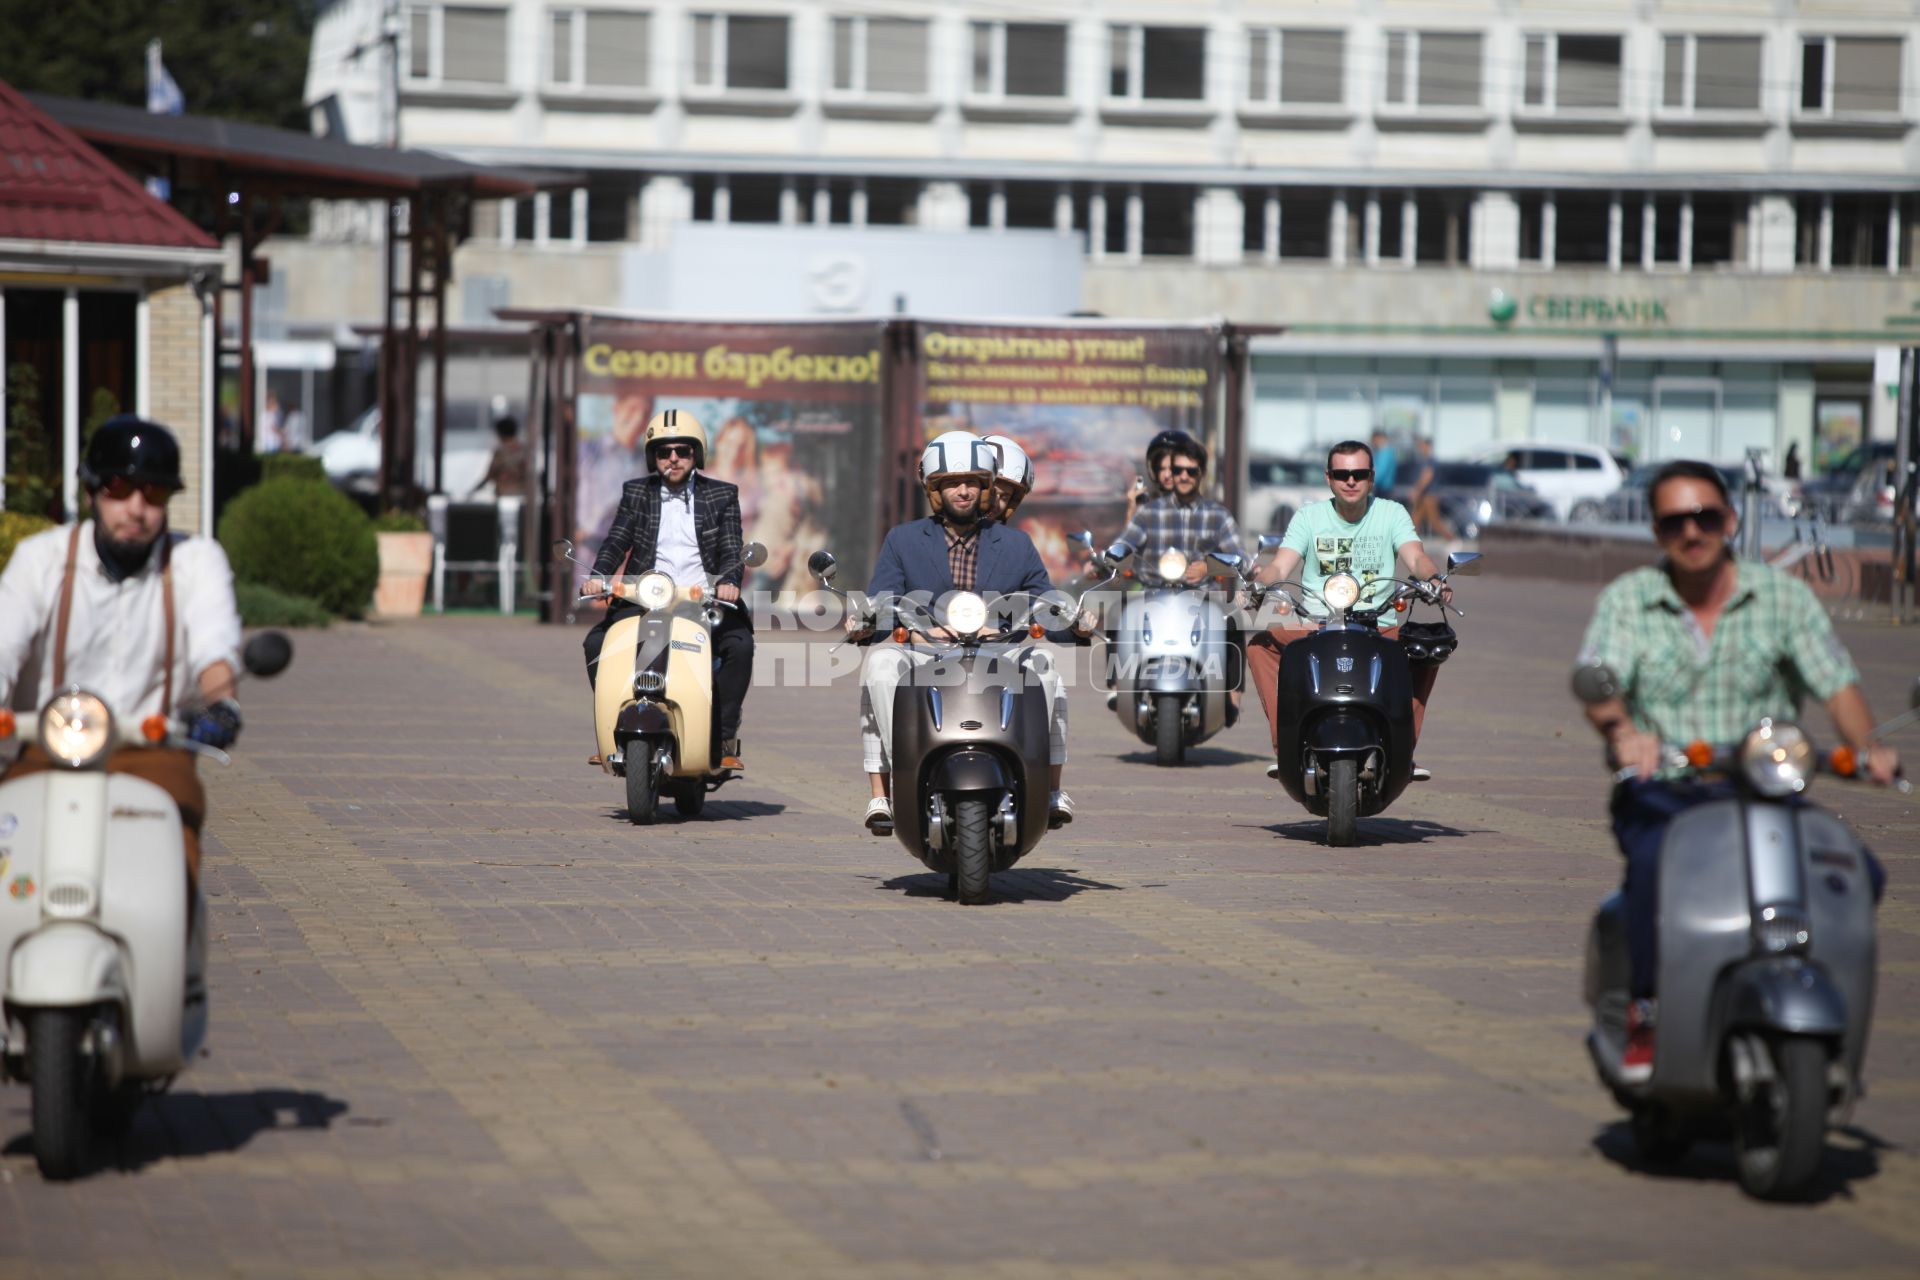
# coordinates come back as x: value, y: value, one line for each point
x: 105, y: 990
x: 653, y: 690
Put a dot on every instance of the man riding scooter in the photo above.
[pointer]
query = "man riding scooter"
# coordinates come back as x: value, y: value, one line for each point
x: 957, y: 548
x: 687, y: 526
x: 1703, y: 646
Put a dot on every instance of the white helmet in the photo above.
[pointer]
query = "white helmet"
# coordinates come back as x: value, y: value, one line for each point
x: 1015, y: 471
x: 956, y: 453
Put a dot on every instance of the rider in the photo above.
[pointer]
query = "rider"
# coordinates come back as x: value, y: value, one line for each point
x: 1013, y: 480
x: 1704, y: 645
x: 1353, y: 532
x: 687, y: 526
x: 124, y: 607
x: 1180, y: 519
x: 960, y: 547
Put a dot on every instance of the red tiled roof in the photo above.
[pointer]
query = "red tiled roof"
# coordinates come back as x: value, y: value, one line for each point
x: 53, y: 186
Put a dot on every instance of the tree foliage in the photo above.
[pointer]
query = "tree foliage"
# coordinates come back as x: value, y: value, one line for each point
x: 240, y: 59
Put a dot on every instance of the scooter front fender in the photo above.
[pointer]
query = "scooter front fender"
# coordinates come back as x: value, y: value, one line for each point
x: 1784, y: 994
x: 968, y: 769
x: 1341, y: 734
x: 637, y: 718
x: 64, y: 966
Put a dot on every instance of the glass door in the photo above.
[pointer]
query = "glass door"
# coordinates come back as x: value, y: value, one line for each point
x: 1685, y: 412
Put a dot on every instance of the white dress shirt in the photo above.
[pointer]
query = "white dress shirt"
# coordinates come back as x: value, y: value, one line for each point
x: 676, y: 552
x: 116, y: 635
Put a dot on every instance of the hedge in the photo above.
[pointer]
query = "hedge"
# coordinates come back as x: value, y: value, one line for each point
x: 303, y: 538
x: 15, y: 528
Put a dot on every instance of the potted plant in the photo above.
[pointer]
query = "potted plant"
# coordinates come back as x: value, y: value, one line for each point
x: 406, y: 558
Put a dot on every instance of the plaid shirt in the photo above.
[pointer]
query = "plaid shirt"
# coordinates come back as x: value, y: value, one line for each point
x: 1772, y: 646
x: 963, y: 555
x: 1196, y: 528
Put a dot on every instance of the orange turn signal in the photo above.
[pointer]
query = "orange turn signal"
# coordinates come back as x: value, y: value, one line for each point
x: 1699, y: 754
x: 1036, y: 630
x: 1843, y: 761
x: 1399, y: 606
x: 694, y: 593
x: 154, y: 728
x: 899, y: 635
x: 7, y: 725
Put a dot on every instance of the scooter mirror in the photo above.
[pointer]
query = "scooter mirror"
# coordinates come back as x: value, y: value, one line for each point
x: 562, y: 549
x: 1083, y: 538
x: 1463, y: 564
x: 753, y: 555
x: 1595, y: 682
x: 1118, y: 551
x: 1267, y: 544
x: 822, y: 565
x: 1225, y: 561
x: 267, y: 654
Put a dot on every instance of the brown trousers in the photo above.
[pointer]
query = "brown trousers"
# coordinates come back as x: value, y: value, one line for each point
x: 1263, y: 668
x: 172, y: 771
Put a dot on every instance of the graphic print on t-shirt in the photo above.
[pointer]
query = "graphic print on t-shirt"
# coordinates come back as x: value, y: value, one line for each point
x: 1337, y: 555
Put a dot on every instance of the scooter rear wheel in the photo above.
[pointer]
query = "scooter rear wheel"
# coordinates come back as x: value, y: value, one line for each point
x: 64, y: 1091
x: 1343, y: 802
x: 973, y: 848
x: 1780, y: 1134
x: 643, y: 782
x: 689, y: 796
x: 1168, y: 748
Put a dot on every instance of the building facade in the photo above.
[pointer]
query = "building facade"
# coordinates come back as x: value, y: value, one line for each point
x: 1665, y: 228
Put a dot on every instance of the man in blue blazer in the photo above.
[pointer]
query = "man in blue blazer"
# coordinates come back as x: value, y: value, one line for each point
x: 957, y: 548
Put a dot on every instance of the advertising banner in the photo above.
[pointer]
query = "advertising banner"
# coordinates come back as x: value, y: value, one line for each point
x: 793, y: 415
x: 1083, y: 401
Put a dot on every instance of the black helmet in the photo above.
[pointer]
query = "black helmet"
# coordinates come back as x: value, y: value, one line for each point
x: 1169, y: 442
x: 130, y: 446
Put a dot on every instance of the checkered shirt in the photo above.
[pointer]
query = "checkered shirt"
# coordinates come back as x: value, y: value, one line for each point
x: 963, y: 555
x: 1193, y: 528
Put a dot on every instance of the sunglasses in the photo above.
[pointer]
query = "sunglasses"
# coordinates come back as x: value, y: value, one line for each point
x: 1346, y: 474
x: 1711, y: 520
x: 120, y: 488
x: 1185, y: 471
x: 674, y: 451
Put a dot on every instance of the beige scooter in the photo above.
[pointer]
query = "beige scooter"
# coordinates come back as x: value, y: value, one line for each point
x: 653, y: 690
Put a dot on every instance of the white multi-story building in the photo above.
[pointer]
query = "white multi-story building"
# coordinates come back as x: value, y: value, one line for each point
x: 1666, y: 228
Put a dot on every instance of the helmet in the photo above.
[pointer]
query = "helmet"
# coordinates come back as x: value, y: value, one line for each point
x: 131, y: 446
x: 1428, y: 642
x: 1015, y: 470
x: 1170, y: 442
x: 678, y: 426
x: 956, y: 453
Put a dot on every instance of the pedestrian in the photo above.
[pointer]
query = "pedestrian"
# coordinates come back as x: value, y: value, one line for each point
x: 1386, y: 465
x: 1791, y: 468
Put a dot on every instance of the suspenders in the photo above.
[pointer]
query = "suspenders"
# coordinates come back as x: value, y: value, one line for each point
x: 66, y: 612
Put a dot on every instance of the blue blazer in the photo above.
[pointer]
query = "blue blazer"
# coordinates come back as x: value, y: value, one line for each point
x: 914, y: 559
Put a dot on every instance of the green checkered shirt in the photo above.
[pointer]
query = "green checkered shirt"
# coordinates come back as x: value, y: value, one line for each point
x: 1773, y: 645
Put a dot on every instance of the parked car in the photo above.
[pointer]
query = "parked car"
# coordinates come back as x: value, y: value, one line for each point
x: 1279, y: 487
x: 1574, y: 478
x: 1846, y: 493
x: 1875, y: 491
x: 1628, y: 504
x: 351, y: 456
x: 1473, y: 495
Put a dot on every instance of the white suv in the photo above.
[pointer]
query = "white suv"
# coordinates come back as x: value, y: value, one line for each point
x: 1575, y: 478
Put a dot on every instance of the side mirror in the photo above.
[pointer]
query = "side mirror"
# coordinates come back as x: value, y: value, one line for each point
x: 1463, y: 564
x: 1225, y: 562
x: 562, y: 549
x: 823, y: 566
x: 267, y: 654
x: 753, y: 555
x: 1595, y: 682
x: 1266, y: 546
x: 1119, y: 551
x: 1084, y: 538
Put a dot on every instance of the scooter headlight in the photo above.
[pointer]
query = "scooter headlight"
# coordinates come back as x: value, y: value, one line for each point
x: 1776, y: 758
x: 76, y: 728
x: 1173, y: 563
x: 654, y: 590
x: 966, y: 613
x: 1341, y: 591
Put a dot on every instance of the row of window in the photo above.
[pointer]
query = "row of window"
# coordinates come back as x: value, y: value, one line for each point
x: 1282, y: 67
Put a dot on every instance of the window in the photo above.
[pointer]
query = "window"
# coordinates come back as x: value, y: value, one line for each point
x: 1844, y: 76
x: 1432, y: 69
x: 1157, y: 63
x: 1580, y: 225
x: 880, y: 55
x: 739, y: 51
x: 1572, y: 73
x: 448, y: 43
x: 1711, y: 73
x: 1306, y: 223
x: 598, y: 48
x: 1295, y: 67
x: 1719, y: 229
x: 1020, y: 59
x: 1848, y: 230
x: 1443, y: 227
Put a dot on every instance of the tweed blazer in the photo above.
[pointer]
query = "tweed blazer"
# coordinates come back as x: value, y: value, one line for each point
x: 634, y: 536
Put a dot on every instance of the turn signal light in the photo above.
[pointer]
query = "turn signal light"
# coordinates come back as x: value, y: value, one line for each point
x: 1699, y: 754
x: 154, y: 728
x: 1843, y: 761
x: 6, y: 723
x: 694, y: 593
x: 1399, y: 606
x: 1036, y: 630
x: 899, y: 635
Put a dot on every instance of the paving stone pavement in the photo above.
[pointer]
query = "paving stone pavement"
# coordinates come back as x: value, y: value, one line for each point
x: 470, y: 1022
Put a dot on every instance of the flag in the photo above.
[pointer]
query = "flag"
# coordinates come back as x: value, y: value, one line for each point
x: 163, y: 99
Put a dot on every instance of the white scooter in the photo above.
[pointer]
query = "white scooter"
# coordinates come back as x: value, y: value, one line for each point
x: 105, y: 991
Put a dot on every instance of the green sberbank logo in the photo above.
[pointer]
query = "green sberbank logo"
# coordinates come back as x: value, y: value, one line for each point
x: 1578, y: 310
x: 1502, y: 307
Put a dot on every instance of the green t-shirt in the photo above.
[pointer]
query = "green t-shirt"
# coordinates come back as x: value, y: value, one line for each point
x: 1368, y: 549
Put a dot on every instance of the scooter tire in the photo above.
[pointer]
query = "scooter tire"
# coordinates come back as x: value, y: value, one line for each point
x: 1343, y: 802
x: 689, y: 796
x: 643, y: 783
x: 64, y: 1092
x: 1780, y: 1135
x: 973, y: 849
x: 1168, y: 746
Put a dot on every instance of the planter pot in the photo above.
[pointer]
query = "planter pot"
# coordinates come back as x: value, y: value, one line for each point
x: 405, y: 561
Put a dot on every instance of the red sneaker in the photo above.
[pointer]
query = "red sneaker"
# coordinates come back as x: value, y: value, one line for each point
x: 1636, y: 1060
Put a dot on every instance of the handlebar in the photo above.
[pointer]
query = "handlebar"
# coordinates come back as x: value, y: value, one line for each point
x: 1702, y: 758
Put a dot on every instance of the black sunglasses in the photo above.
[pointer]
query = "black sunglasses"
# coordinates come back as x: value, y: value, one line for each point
x: 1350, y: 473
x: 674, y: 451
x: 120, y: 488
x: 1185, y: 471
x: 1712, y: 522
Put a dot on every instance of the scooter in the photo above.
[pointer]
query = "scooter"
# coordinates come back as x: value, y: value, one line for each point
x: 1344, y: 715
x: 653, y: 690
x: 1766, y: 961
x: 970, y: 733
x: 1171, y: 661
x: 105, y: 986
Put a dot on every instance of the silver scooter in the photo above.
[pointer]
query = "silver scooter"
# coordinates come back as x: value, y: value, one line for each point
x: 1766, y: 961
x: 970, y: 733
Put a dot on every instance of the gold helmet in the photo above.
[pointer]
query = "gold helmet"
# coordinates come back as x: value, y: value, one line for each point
x: 679, y: 427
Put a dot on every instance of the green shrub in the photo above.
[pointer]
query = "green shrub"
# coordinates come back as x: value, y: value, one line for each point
x: 15, y: 527
x: 291, y: 466
x: 305, y: 539
x: 398, y: 521
x: 262, y: 606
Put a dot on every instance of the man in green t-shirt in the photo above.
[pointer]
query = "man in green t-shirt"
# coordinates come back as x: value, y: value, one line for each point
x: 1355, y: 533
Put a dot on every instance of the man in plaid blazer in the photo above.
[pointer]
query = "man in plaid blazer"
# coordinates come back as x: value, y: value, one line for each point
x: 687, y: 526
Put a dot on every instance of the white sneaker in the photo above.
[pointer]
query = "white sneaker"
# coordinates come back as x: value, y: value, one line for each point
x: 1273, y: 771
x: 1113, y: 699
x: 1059, y: 810
x: 1422, y: 775
x: 879, y: 818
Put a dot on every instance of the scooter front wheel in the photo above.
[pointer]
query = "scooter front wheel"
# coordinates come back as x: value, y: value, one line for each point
x: 643, y: 782
x: 1780, y: 1132
x: 1343, y: 802
x: 1167, y: 745
x: 63, y: 1092
x: 973, y: 848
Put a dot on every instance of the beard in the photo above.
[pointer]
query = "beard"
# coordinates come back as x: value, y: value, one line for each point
x: 123, y: 557
x: 963, y: 519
